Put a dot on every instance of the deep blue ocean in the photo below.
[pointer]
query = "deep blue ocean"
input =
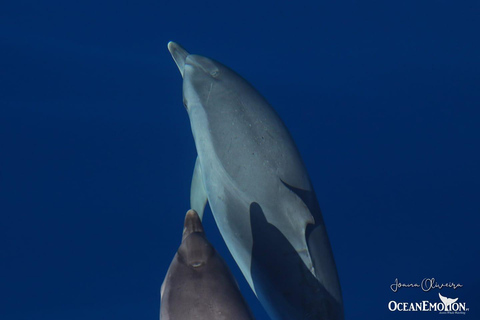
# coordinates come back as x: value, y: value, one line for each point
x: 96, y: 151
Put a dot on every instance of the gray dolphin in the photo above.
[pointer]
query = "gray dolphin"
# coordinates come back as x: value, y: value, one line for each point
x: 199, y: 284
x: 250, y: 171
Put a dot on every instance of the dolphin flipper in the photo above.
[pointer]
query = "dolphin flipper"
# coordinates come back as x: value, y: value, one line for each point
x: 198, y: 195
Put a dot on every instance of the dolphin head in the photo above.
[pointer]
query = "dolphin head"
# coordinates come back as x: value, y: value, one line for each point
x: 195, y: 250
x: 201, y: 76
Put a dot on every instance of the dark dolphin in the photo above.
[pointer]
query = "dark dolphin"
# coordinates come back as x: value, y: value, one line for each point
x: 199, y: 284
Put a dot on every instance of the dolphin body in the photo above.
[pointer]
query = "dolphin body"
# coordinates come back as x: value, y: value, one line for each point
x: 250, y: 171
x: 198, y: 284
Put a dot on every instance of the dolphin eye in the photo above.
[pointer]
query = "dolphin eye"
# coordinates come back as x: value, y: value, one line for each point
x: 185, y: 103
x: 215, y: 73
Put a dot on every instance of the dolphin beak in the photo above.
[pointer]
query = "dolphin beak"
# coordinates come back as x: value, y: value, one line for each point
x: 179, y: 55
x: 192, y: 224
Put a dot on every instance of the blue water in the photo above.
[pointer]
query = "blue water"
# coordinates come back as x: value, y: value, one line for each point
x: 96, y: 152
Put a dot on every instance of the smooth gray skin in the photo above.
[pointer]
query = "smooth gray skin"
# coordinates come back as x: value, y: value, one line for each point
x: 251, y: 172
x: 198, y: 284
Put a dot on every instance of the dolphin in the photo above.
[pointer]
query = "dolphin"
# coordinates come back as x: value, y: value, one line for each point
x: 249, y: 170
x: 199, y: 284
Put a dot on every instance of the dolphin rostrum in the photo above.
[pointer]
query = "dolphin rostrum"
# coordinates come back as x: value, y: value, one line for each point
x: 250, y: 171
x: 198, y: 284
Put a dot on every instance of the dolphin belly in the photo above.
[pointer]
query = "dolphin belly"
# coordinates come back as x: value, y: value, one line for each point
x: 245, y: 161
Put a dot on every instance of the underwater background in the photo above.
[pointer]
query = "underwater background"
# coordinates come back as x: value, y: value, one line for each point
x: 96, y: 152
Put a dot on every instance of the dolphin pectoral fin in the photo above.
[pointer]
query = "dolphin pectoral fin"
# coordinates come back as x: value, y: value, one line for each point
x: 162, y: 288
x: 319, y: 253
x: 198, y: 194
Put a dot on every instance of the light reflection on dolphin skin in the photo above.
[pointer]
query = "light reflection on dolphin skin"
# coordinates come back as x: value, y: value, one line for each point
x: 246, y: 155
x: 298, y: 293
x: 199, y: 284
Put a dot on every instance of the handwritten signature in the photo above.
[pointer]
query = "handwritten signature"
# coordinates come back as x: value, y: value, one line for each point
x: 427, y: 284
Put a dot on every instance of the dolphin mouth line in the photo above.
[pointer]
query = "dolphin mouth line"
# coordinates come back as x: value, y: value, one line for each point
x: 197, y: 264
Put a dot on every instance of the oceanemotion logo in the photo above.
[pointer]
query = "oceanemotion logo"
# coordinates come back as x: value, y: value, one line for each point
x: 445, y: 306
